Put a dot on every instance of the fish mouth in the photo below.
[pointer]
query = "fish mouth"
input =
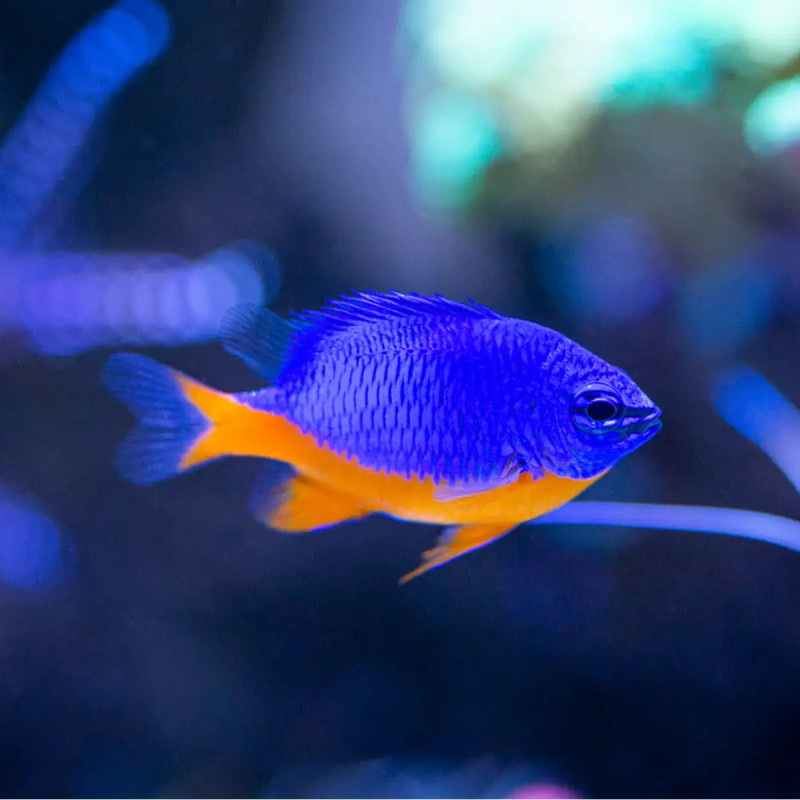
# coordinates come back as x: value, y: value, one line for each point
x: 647, y: 424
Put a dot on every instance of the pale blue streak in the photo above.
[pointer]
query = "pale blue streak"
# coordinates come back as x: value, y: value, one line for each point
x: 747, y: 401
x: 754, y: 525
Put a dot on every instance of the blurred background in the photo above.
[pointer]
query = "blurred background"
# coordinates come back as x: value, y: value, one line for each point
x: 627, y: 172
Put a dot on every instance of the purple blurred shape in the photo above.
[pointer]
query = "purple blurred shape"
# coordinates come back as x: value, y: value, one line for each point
x: 543, y: 791
x: 66, y: 303
x: 613, y: 270
x: 748, y: 402
x: 45, y: 142
x: 721, y: 308
x: 403, y: 776
x: 33, y: 553
x: 704, y: 519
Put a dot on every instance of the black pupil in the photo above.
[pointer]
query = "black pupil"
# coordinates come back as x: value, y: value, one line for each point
x: 600, y: 410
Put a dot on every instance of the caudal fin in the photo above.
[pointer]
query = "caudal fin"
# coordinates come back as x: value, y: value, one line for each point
x: 173, y: 419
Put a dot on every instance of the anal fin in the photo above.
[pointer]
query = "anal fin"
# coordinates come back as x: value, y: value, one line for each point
x: 456, y: 541
x: 300, y: 505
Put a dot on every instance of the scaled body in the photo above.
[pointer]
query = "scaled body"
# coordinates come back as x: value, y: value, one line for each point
x: 440, y: 398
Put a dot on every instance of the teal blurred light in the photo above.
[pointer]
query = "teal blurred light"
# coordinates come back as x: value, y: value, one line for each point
x: 772, y: 122
x: 542, y: 71
x: 456, y: 140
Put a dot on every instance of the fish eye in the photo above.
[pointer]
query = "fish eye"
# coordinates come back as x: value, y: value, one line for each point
x: 596, y: 408
x: 600, y: 410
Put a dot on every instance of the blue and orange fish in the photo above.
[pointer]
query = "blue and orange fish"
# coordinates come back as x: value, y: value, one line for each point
x: 417, y: 407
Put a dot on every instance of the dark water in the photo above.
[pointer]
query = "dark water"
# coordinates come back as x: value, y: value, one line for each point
x: 160, y: 642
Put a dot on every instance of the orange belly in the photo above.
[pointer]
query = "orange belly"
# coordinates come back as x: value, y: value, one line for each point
x: 242, y: 430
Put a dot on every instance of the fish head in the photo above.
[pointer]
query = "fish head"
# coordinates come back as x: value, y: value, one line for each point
x: 592, y: 416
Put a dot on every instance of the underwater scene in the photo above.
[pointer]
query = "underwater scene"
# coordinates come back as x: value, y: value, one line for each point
x: 399, y: 399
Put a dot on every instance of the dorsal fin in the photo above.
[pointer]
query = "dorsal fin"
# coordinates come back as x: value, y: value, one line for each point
x: 348, y: 310
x: 258, y: 336
x: 265, y: 341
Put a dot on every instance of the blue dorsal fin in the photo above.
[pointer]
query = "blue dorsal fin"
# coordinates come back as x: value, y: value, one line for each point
x: 348, y: 310
x: 258, y: 336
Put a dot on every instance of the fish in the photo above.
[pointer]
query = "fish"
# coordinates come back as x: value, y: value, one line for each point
x: 418, y: 407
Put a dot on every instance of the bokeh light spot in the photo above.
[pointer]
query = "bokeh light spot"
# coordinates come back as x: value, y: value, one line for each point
x: 32, y: 550
x: 772, y: 122
x: 456, y: 140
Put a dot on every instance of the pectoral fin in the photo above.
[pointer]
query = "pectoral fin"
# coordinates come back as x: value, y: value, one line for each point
x: 300, y: 505
x: 448, y: 492
x: 456, y: 541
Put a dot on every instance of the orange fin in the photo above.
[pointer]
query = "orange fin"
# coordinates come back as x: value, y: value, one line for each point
x: 220, y: 409
x: 183, y: 423
x: 456, y: 541
x: 300, y: 505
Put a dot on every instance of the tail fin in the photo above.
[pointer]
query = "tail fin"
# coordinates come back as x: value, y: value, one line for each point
x: 172, y: 426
